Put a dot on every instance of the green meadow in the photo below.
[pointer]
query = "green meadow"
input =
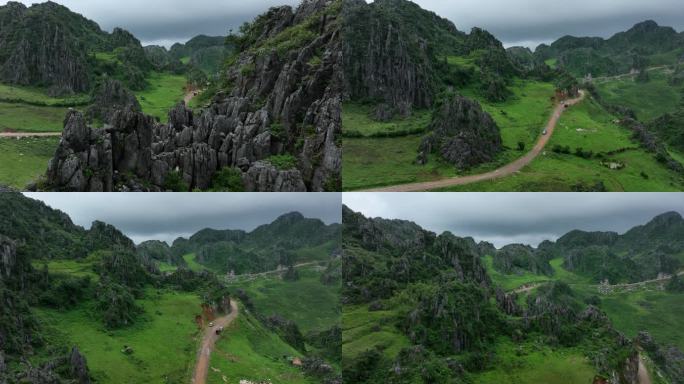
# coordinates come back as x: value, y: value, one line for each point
x: 192, y: 263
x: 248, y: 351
x: 658, y: 312
x: 649, y: 100
x: 382, y: 161
x: 37, y: 96
x: 590, y: 128
x: 309, y: 303
x: 364, y: 330
x: 532, y: 363
x: 163, y: 93
x: 164, y: 340
x: 25, y: 160
x: 31, y: 118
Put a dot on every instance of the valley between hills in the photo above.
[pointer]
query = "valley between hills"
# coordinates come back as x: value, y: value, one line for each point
x: 590, y: 307
x: 221, y: 306
x: 336, y: 95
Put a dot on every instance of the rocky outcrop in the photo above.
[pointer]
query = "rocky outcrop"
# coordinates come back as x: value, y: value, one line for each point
x: 279, y: 104
x: 79, y: 367
x: 669, y: 360
x: 38, y: 50
x: 462, y: 134
x: 382, y: 62
x: 8, y: 257
x: 650, y: 142
x: 518, y: 258
x: 110, y: 96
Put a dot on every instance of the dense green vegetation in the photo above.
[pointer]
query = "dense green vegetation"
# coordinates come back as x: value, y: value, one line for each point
x: 409, y: 294
x: 135, y: 313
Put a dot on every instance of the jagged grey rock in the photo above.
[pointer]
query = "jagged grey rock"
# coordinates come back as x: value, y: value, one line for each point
x: 463, y: 134
x: 109, y: 96
x: 8, y: 257
x: 238, y: 129
x: 79, y: 367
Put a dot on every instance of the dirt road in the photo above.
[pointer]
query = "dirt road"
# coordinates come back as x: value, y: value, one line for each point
x: 190, y: 94
x: 527, y: 287
x: 643, y: 376
x: 208, y: 340
x: 507, y: 170
x: 21, y: 135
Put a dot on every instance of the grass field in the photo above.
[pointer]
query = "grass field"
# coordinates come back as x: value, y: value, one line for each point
x: 532, y: 364
x: 513, y: 281
x: 192, y: 263
x: 589, y: 127
x: 248, y: 351
x: 649, y: 100
x: 29, y: 118
x: 660, y: 313
x: 164, y: 340
x: 164, y: 92
x: 32, y: 95
x: 374, y: 162
x: 70, y: 267
x: 363, y: 330
x: 309, y: 303
x: 358, y: 122
x: 23, y: 161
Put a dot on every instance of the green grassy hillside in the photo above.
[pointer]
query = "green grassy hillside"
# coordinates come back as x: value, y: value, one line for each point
x: 164, y: 342
x: 380, y: 161
x: 648, y: 100
x: 248, y: 351
x: 309, y: 303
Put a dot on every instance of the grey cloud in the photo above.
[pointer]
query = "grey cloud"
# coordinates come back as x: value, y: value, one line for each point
x: 168, y: 21
x: 517, y: 22
x: 166, y: 216
x: 530, y: 22
x: 529, y: 218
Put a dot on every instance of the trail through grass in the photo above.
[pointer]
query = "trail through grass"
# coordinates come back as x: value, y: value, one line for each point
x: 248, y: 351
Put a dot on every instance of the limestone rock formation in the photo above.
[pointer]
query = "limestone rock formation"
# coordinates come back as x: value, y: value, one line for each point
x: 79, y: 367
x: 8, y: 257
x: 463, y: 134
x: 110, y: 96
x: 279, y: 104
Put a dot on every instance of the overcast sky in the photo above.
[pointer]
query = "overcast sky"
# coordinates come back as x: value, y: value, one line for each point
x: 166, y: 216
x: 164, y: 22
x: 530, y: 22
x: 527, y: 218
x: 515, y: 22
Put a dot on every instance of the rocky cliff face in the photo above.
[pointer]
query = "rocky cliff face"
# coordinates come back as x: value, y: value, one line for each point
x: 382, y: 62
x: 463, y: 134
x: 110, y: 96
x: 281, y: 102
x: 8, y: 257
x: 36, y: 51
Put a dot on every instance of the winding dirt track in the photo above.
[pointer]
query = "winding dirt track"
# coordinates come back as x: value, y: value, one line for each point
x: 208, y: 340
x: 21, y: 135
x: 507, y: 170
x: 643, y: 376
